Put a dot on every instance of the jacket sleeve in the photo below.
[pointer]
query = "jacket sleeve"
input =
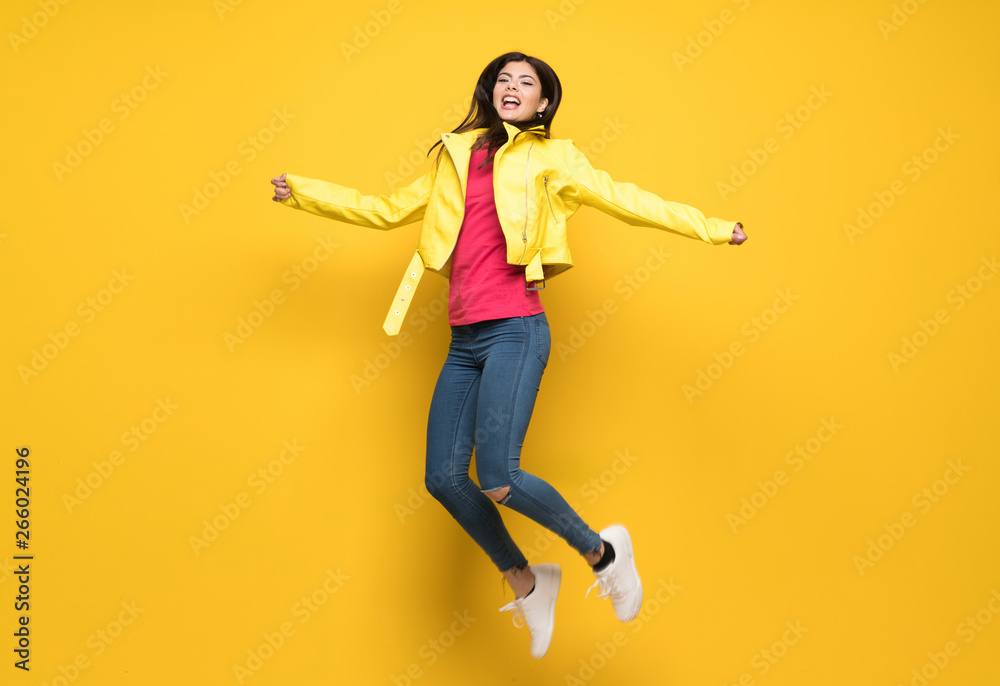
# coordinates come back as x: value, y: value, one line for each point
x: 403, y: 206
x: 636, y: 207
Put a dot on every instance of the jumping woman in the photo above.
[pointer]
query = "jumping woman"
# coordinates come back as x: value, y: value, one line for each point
x: 494, y: 207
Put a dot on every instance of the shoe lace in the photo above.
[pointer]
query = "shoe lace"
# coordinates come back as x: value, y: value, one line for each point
x: 609, y: 588
x: 515, y: 605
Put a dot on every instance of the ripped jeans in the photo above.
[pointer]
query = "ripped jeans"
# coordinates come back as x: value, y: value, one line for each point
x: 483, y: 399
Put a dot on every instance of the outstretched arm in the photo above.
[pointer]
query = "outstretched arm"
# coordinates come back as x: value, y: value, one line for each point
x: 403, y: 206
x: 637, y: 207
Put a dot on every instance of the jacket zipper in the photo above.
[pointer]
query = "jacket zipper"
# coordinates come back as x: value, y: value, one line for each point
x: 547, y: 196
x: 527, y: 204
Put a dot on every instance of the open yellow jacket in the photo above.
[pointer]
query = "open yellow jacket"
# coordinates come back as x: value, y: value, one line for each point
x: 538, y: 184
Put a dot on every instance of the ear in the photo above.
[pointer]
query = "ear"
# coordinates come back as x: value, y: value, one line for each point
x: 543, y: 103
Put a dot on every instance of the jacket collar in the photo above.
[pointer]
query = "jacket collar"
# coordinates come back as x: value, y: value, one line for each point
x: 460, y: 154
x: 512, y: 131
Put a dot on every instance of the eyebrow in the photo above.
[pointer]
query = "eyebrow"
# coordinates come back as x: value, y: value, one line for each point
x: 505, y: 73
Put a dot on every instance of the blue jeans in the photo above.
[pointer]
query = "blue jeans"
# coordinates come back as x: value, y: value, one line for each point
x: 483, y: 399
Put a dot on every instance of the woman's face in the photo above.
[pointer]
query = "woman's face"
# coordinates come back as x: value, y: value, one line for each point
x: 518, y: 81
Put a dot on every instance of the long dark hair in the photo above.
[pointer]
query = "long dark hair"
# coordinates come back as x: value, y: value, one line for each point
x: 482, y: 114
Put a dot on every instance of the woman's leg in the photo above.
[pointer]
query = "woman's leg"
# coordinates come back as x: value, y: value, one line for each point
x: 518, y: 353
x: 515, y: 352
x: 451, y: 432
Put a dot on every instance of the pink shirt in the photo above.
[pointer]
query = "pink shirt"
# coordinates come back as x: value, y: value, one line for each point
x: 483, y: 286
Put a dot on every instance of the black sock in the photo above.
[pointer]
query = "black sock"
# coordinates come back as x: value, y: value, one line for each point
x: 607, y: 558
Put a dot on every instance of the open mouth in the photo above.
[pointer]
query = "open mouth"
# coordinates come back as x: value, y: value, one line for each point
x: 510, y: 102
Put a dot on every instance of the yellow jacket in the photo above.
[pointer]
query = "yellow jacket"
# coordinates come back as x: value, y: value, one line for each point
x: 538, y: 184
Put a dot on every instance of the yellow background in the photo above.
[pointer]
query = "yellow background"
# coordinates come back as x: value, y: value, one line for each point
x: 408, y: 597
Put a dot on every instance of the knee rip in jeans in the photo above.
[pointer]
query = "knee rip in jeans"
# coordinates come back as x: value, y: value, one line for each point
x: 500, y: 495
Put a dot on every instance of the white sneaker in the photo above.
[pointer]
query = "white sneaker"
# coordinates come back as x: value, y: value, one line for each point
x: 620, y: 580
x: 538, y: 609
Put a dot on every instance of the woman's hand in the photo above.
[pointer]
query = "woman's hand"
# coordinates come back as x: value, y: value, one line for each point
x: 738, y: 235
x: 281, y: 191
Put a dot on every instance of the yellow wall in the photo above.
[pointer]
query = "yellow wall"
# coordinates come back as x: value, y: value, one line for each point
x: 800, y: 433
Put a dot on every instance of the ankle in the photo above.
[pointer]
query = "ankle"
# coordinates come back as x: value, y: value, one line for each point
x: 527, y: 583
x: 521, y: 580
x: 607, y: 557
x: 594, y: 556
